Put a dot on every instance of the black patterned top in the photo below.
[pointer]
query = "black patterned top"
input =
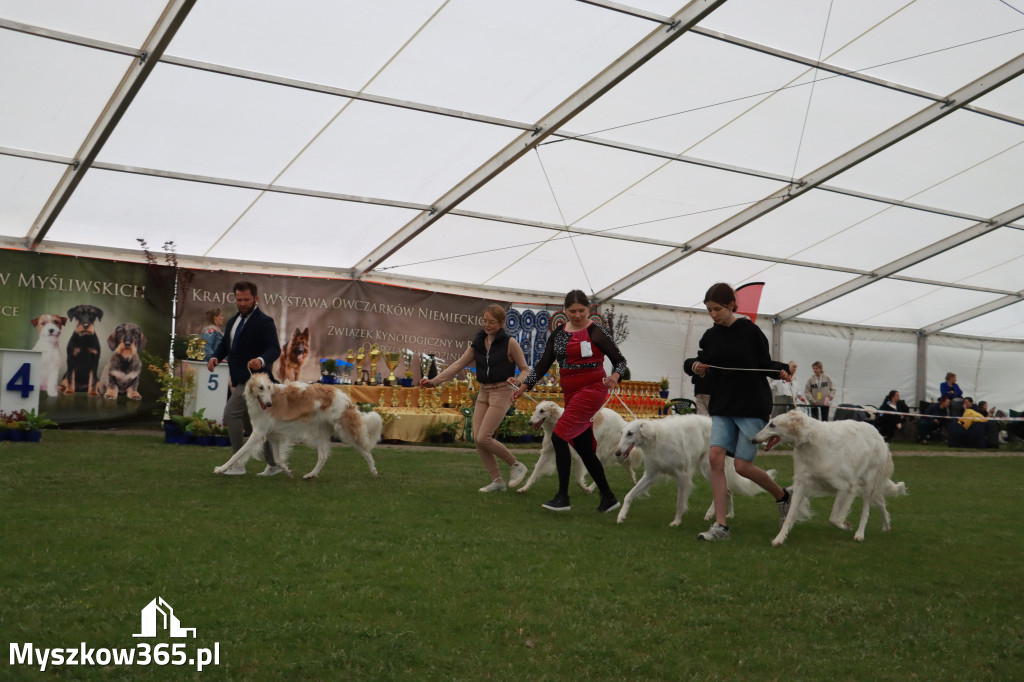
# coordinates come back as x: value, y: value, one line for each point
x: 557, y: 349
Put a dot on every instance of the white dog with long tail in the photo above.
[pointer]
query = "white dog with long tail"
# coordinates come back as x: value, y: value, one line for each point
x: 292, y: 411
x: 677, y: 446
x: 842, y: 458
x: 608, y: 426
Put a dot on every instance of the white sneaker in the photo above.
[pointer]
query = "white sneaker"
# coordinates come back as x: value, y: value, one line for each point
x: 271, y: 471
x: 495, y: 486
x: 784, y: 505
x: 516, y: 474
x: 234, y: 471
x: 715, y: 532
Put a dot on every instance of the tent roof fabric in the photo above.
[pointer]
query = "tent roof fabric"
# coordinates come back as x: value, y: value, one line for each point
x: 863, y: 159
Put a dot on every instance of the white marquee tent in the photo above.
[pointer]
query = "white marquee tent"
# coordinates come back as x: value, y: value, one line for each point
x: 864, y: 158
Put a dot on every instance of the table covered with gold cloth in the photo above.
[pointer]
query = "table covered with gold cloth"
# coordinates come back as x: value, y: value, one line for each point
x: 411, y: 420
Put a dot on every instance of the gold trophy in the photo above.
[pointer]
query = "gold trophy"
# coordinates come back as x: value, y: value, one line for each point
x: 360, y: 361
x: 374, y: 354
x: 196, y: 348
x: 392, y: 360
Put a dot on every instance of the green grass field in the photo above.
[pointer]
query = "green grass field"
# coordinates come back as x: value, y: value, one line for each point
x: 417, y: 576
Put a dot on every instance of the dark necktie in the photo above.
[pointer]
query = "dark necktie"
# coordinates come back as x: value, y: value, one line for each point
x: 238, y: 331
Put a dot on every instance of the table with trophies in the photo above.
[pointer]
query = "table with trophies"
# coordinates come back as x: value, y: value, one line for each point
x: 409, y: 410
x: 632, y: 399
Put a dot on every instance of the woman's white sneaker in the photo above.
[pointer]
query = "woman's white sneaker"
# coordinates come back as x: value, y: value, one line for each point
x: 516, y: 474
x: 495, y: 486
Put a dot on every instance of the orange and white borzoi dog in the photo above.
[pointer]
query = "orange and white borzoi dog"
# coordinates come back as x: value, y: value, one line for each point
x: 286, y: 413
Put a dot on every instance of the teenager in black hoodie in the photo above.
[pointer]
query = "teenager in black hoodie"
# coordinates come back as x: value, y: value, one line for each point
x: 741, y: 399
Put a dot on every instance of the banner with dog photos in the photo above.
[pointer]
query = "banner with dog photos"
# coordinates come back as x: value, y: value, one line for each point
x: 331, y: 318
x: 89, y: 318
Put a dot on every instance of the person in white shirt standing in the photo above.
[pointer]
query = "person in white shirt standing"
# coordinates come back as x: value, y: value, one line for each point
x: 782, y: 392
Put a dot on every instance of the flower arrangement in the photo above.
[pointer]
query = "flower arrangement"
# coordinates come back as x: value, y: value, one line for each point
x: 21, y: 425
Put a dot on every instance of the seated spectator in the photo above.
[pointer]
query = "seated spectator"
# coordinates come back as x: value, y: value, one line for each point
x: 973, y: 429
x: 890, y: 424
x: 970, y: 414
x: 936, y: 421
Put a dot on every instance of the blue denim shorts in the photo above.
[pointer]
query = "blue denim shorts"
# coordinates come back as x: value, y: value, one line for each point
x: 733, y: 434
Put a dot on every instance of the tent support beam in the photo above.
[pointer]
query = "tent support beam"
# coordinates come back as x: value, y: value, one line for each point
x: 973, y: 313
x: 152, y: 49
x: 376, y: 201
x: 910, y: 259
x: 930, y: 114
x: 846, y: 73
x: 639, y: 55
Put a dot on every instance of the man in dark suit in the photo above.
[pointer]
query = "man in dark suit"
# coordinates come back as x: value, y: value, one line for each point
x: 250, y: 345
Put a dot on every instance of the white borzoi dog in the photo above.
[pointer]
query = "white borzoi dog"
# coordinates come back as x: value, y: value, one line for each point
x: 286, y: 413
x: 607, y: 427
x: 677, y: 446
x: 844, y: 458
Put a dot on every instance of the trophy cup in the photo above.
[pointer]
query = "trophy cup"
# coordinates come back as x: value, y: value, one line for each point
x: 392, y: 360
x: 360, y: 361
x: 196, y: 348
x: 425, y: 365
x: 374, y: 354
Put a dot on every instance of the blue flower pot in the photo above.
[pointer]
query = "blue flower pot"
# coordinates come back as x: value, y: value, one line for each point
x: 172, y: 433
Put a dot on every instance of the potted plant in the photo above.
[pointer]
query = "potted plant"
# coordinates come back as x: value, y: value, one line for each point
x: 432, y: 432
x: 199, y: 428
x: 514, y: 427
x: 174, y: 429
x: 407, y: 381
x: 220, y: 435
x: 15, y: 432
x: 328, y: 371
x: 175, y: 387
x: 664, y: 387
x: 441, y: 432
x: 33, y: 424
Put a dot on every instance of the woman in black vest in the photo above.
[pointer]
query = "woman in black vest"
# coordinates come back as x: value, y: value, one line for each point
x: 496, y: 356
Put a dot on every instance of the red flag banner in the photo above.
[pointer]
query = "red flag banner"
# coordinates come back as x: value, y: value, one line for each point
x: 748, y: 298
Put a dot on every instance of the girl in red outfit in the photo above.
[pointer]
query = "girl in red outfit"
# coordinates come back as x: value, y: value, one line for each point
x: 580, y: 347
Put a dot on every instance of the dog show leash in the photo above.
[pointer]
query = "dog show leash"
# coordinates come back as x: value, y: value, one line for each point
x: 614, y: 392
x: 512, y: 382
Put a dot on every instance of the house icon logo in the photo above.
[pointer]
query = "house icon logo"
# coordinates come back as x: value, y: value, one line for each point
x: 159, y: 614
